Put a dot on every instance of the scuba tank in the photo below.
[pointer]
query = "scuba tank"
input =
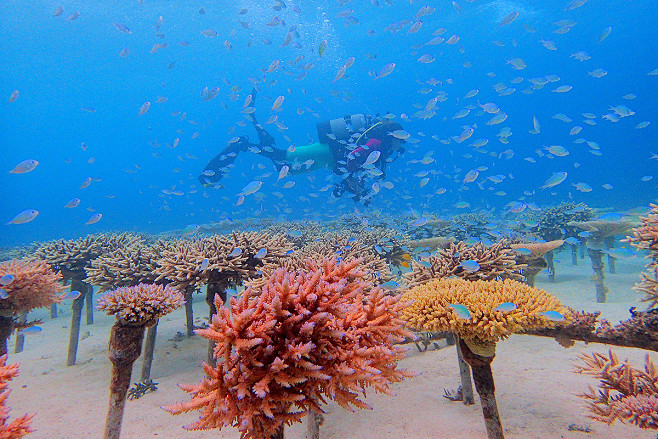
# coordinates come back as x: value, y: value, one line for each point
x: 343, y: 128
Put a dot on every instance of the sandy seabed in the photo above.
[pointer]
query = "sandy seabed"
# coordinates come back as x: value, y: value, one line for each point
x: 535, y: 384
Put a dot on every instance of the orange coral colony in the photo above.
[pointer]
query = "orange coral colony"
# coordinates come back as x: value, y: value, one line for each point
x: 311, y: 335
x: 19, y: 427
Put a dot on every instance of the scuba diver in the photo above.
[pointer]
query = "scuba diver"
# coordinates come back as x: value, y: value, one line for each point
x: 356, y: 147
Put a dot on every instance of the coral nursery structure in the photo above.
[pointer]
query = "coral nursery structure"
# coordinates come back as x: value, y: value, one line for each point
x: 481, y: 313
x: 135, y: 308
x: 310, y: 335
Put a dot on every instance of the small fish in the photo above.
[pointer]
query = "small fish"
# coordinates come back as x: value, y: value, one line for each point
x: 190, y: 230
x: 94, y: 218
x: 71, y: 295
x: 470, y: 266
x: 555, y: 179
x: 523, y: 251
x: 204, y: 264
x: 390, y: 285
x: 277, y: 103
x: 123, y: 28
x: 605, y: 33
x: 372, y: 158
x: 14, y: 96
x: 260, y: 254
x: 295, y: 234
x: 585, y: 234
x: 420, y: 222
x: 30, y: 330
x: 563, y: 89
x: 74, y: 202
x: 7, y: 279
x: 235, y: 253
x: 322, y: 48
x: 505, y: 307
x: 508, y: 19
x: 251, y: 188
x: 24, y: 217
x: 144, y: 108
x: 3, y: 293
x: 460, y: 310
x: 24, y: 167
x: 386, y: 70
x: 58, y: 12
x: 553, y: 315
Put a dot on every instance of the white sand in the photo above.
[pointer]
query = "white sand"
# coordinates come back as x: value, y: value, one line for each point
x: 536, y: 388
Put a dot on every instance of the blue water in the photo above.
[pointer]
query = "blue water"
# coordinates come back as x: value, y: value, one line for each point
x: 61, y: 66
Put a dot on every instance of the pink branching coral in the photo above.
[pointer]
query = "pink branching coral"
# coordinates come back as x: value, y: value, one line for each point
x: 19, y: 427
x: 142, y: 304
x: 624, y: 393
x: 34, y: 285
x: 311, y: 335
x: 645, y: 237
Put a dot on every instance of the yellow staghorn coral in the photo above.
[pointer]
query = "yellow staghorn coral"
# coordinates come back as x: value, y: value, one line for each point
x: 624, y: 393
x: 140, y: 305
x: 431, y: 310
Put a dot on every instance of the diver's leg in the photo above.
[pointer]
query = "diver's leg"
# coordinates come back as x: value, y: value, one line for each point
x: 217, y: 167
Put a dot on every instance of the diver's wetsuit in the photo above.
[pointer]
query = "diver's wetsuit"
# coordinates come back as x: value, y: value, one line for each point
x: 218, y: 165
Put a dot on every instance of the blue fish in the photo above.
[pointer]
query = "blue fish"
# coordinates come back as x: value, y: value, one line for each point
x: 71, y: 295
x: 3, y: 293
x: 470, y: 265
x: 390, y: 285
x: 553, y: 315
x: 425, y: 264
x: 505, y: 307
x: 522, y: 251
x: 260, y: 254
x: 7, y: 279
x: 204, y: 264
x: 289, y: 252
x: 295, y: 234
x: 571, y: 240
x: 424, y: 255
x: 585, y: 234
x: 235, y: 253
x: 611, y: 216
x: 30, y: 330
x: 460, y: 310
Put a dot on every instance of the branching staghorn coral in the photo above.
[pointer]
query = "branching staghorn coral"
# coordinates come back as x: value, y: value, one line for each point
x: 135, y: 308
x: 649, y: 286
x: 645, y: 237
x: 19, y: 427
x: 310, y: 335
x: 624, y: 393
x: 495, y: 261
x: 553, y: 222
x: 327, y: 246
x: 126, y: 266
x: 233, y: 256
x: 140, y: 305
